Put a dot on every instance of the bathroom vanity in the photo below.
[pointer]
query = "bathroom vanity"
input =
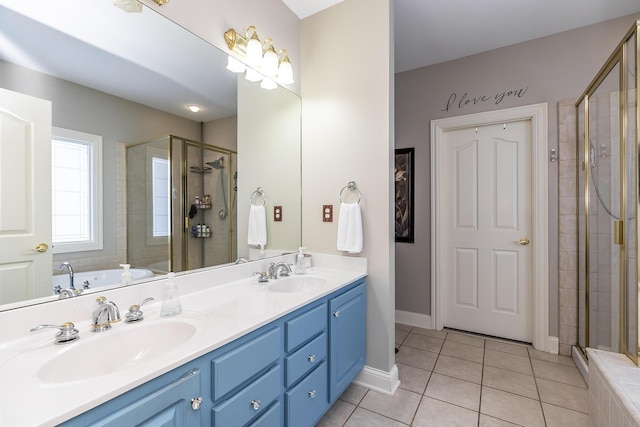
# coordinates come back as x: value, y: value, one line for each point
x: 252, y: 356
x: 287, y: 372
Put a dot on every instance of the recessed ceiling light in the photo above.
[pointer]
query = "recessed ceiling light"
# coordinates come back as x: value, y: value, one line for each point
x: 194, y: 108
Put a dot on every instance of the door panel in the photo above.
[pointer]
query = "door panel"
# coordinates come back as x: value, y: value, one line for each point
x: 25, y: 182
x: 487, y: 202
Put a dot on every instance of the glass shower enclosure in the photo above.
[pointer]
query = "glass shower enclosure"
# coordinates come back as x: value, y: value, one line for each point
x: 180, y: 204
x: 607, y: 194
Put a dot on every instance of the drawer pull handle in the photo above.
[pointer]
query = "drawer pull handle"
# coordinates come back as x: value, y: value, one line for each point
x: 312, y: 394
x: 336, y: 313
x: 195, y: 403
x: 312, y: 358
x: 255, y: 404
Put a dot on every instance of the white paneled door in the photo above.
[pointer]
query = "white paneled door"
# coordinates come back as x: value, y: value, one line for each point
x: 25, y: 195
x: 488, y: 285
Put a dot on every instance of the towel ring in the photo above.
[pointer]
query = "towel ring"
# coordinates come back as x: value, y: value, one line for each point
x: 351, y: 186
x: 259, y: 192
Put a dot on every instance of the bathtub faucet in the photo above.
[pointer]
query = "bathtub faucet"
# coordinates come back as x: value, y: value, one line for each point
x: 68, y: 267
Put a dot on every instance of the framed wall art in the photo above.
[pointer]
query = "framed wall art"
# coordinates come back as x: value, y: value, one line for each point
x: 404, y: 194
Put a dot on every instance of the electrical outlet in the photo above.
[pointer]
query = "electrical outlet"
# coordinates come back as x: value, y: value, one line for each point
x: 327, y: 213
x: 277, y: 213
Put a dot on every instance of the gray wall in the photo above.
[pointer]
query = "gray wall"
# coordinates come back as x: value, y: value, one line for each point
x: 549, y: 69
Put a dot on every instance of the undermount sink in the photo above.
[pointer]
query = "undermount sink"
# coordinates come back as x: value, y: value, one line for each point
x: 121, y: 347
x: 300, y: 283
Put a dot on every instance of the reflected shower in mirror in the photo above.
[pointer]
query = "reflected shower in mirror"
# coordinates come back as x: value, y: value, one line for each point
x: 129, y: 78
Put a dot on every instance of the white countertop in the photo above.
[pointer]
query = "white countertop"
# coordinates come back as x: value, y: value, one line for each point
x: 227, y: 310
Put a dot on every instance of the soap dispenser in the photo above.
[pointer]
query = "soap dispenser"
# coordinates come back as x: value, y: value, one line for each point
x: 300, y: 267
x: 126, y: 278
x: 171, y: 303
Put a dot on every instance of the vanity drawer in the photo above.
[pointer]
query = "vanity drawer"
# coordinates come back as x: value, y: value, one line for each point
x: 240, y: 364
x: 271, y: 418
x: 305, y: 326
x: 305, y: 359
x: 306, y: 402
x: 250, y: 401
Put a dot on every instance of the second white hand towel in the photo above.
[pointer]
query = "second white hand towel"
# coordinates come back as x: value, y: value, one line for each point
x: 257, y: 233
x: 350, y: 228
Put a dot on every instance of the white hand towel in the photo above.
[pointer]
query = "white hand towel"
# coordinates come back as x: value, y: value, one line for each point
x: 350, y: 228
x: 257, y: 233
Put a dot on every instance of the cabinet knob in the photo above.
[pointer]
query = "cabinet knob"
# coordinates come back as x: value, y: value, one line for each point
x: 312, y: 358
x: 195, y: 403
x: 255, y: 404
x: 336, y: 313
x: 312, y: 394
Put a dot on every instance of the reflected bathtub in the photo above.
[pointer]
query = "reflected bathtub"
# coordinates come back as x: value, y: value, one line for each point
x: 98, y: 278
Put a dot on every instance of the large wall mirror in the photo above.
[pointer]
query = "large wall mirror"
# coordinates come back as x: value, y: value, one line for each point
x: 168, y: 189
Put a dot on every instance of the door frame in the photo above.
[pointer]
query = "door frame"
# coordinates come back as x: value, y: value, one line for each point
x: 537, y: 114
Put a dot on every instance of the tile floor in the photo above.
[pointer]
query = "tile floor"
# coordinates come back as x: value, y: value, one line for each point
x: 452, y: 379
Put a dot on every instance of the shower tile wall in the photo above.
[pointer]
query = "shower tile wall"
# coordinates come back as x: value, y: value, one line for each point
x: 568, y: 227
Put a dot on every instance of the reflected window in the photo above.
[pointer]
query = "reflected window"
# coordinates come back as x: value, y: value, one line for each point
x: 76, y: 183
x: 160, y: 179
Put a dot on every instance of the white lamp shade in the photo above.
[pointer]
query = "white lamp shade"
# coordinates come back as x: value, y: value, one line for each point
x: 252, y: 75
x: 234, y: 65
x: 285, y: 73
x: 254, y: 52
x: 268, y: 84
x: 270, y: 63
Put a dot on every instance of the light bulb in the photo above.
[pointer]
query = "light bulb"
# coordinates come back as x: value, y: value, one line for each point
x: 252, y: 75
x: 234, y: 65
x: 254, y: 50
x: 268, y: 84
x: 270, y: 61
x: 285, y: 72
x: 194, y: 108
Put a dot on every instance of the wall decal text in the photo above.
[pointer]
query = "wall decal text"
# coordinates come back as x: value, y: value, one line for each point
x: 467, y: 99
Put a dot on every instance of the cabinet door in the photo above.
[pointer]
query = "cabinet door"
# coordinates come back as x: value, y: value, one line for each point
x: 168, y: 406
x: 347, y: 331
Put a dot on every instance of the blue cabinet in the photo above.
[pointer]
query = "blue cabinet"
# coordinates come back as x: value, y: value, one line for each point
x: 347, y: 332
x: 286, y: 373
x: 150, y: 405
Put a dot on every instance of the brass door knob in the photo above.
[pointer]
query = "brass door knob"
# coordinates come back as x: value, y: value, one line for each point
x: 524, y: 241
x: 42, y: 247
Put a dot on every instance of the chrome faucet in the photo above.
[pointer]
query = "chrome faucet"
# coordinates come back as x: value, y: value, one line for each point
x: 68, y: 267
x: 106, y: 314
x: 280, y: 267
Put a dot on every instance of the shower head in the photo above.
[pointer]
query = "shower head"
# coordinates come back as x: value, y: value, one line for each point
x: 217, y: 164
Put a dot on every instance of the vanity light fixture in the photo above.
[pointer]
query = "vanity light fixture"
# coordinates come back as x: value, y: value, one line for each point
x: 194, y: 108
x: 261, y: 60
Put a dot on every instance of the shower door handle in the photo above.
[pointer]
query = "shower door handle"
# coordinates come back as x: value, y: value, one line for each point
x: 524, y: 241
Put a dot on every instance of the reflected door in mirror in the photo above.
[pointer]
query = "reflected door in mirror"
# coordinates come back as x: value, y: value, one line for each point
x: 25, y: 181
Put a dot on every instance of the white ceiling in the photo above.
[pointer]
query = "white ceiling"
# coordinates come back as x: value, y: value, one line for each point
x: 432, y: 31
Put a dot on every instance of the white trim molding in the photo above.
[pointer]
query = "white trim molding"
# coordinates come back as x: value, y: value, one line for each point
x: 414, y: 319
x: 381, y: 381
x: 537, y: 113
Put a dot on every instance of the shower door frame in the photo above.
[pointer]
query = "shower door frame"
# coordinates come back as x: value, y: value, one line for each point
x: 619, y: 58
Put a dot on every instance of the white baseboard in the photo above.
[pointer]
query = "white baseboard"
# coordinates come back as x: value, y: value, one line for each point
x: 381, y: 381
x: 554, y: 345
x: 414, y: 319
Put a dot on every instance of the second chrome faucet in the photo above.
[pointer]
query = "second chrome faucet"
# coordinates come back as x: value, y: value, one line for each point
x: 106, y: 314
